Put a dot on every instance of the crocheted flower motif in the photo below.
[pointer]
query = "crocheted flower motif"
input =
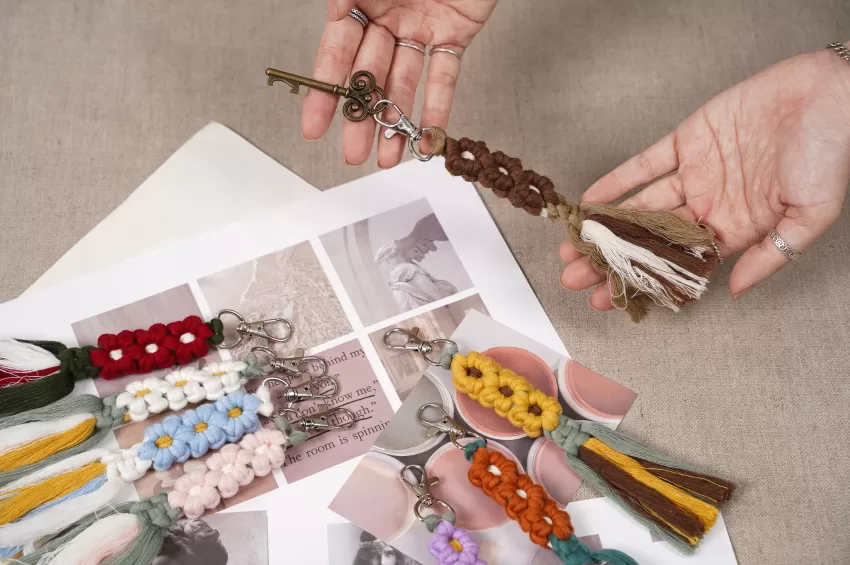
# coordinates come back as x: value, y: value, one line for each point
x: 228, y: 372
x: 117, y: 355
x: 241, y: 411
x: 451, y: 545
x: 229, y: 469
x: 188, y: 339
x: 181, y: 387
x: 208, y: 425
x: 153, y: 353
x: 266, y: 449
x: 125, y: 464
x: 520, y: 495
x: 507, y: 391
x: 167, y: 443
x: 194, y: 492
x: 470, y: 373
x: 142, y: 398
x: 538, y: 522
x: 540, y: 412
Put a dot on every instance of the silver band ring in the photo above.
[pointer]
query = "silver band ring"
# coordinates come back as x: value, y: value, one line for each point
x: 840, y: 50
x: 446, y: 50
x: 361, y: 18
x: 401, y: 43
x: 782, y: 246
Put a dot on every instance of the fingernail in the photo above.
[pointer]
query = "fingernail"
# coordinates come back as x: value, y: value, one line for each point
x: 352, y: 164
x: 740, y: 293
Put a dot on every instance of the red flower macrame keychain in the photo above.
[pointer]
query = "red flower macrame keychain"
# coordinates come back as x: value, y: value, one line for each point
x: 646, y: 255
x: 36, y: 373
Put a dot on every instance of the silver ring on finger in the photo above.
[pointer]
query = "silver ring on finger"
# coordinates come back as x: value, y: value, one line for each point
x: 410, y: 44
x: 445, y: 50
x: 786, y: 249
x: 361, y: 18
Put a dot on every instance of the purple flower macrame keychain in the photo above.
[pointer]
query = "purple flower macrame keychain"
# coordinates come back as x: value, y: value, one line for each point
x: 450, y: 545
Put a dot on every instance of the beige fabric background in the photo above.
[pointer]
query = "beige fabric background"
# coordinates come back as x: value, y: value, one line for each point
x: 95, y: 95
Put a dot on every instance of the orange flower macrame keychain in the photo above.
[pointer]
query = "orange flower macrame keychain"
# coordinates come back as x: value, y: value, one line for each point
x: 674, y: 500
x: 646, y: 255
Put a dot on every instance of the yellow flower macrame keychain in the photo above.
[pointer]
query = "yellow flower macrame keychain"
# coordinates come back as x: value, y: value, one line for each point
x: 674, y: 500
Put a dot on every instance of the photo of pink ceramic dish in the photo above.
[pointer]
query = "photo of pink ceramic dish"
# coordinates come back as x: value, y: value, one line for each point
x: 547, y: 466
x: 375, y: 499
x: 524, y: 363
x: 591, y: 395
x: 475, y: 510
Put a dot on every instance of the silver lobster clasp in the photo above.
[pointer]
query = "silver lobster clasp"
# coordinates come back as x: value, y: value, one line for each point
x: 327, y: 418
x: 400, y: 338
x: 294, y: 365
x: 421, y: 487
x: 256, y: 329
x: 444, y: 425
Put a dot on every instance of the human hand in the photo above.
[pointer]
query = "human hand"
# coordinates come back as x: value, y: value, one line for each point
x: 772, y: 151
x: 444, y: 23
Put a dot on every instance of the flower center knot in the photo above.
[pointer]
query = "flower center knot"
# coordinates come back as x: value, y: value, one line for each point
x: 227, y: 469
x: 201, y: 427
x: 163, y: 442
x: 181, y: 383
x: 151, y: 348
x: 195, y: 491
x: 473, y: 372
x: 506, y: 391
x: 536, y: 410
x: 219, y: 373
x: 142, y: 393
x: 234, y: 412
x: 116, y: 354
x: 456, y: 545
x: 187, y: 337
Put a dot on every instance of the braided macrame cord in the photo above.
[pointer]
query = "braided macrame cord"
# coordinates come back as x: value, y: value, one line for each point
x: 647, y: 256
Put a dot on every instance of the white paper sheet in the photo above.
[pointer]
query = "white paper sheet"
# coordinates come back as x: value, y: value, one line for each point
x: 297, y: 514
x: 201, y: 176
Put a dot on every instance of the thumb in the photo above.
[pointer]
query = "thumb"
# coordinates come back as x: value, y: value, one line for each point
x: 338, y: 9
x: 765, y: 258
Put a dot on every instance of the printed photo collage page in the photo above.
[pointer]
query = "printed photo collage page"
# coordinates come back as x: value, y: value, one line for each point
x: 339, y: 294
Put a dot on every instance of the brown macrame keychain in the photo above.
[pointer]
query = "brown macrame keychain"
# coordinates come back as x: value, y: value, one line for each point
x: 646, y: 255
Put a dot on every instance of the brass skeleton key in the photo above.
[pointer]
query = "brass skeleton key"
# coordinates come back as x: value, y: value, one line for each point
x: 359, y: 102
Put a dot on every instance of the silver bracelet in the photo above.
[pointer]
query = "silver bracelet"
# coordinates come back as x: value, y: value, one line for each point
x: 840, y: 50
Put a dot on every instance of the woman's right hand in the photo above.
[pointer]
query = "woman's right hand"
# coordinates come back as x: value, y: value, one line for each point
x: 347, y: 46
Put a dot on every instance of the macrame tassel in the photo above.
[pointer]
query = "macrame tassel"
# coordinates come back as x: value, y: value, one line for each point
x: 647, y: 256
x: 153, y: 517
x: 672, y: 500
x: 21, y: 359
x: 38, y: 438
x: 101, y: 540
x: 48, y: 500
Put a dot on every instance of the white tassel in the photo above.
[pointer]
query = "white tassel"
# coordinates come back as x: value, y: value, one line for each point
x: 102, y: 539
x: 19, y: 357
x: 58, y: 517
x: 18, y: 436
x: 622, y: 256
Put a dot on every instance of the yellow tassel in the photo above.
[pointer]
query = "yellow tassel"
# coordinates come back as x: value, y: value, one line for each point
x: 19, y: 502
x: 705, y: 512
x: 691, y: 539
x: 43, y: 448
